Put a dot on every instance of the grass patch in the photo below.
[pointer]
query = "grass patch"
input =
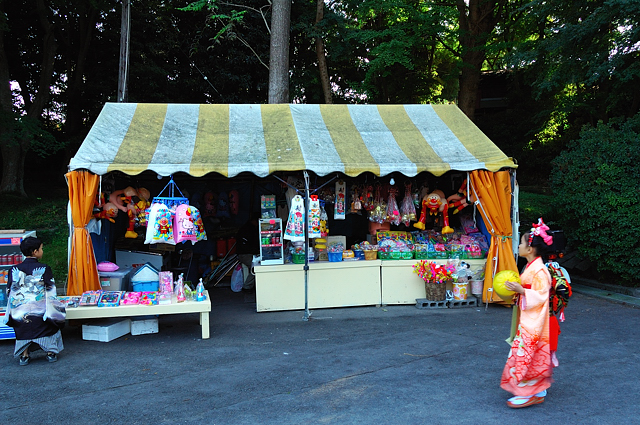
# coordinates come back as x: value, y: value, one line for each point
x: 48, y: 217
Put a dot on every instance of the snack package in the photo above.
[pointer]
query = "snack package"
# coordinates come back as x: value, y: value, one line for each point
x: 90, y: 298
x: 110, y: 299
x: 131, y: 298
x: 165, y: 298
x: 148, y: 298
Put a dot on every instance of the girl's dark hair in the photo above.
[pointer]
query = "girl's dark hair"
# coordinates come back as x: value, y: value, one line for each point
x: 537, y: 243
x: 29, y: 244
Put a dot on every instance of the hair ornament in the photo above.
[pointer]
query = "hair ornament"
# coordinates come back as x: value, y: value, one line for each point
x: 540, y: 229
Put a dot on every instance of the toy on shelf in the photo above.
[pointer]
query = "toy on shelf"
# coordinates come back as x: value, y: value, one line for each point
x: 435, y: 203
x: 458, y: 201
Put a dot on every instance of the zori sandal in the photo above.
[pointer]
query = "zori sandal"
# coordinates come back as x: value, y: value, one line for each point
x: 519, y: 402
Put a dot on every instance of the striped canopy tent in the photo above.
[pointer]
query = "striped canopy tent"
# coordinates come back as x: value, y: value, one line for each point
x: 262, y: 139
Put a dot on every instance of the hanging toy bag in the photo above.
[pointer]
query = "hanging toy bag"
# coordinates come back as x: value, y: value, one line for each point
x: 393, y: 212
x: 184, y: 227
x: 295, y: 224
x: 314, y: 217
x: 339, y: 211
x: 160, y: 228
x: 407, y: 209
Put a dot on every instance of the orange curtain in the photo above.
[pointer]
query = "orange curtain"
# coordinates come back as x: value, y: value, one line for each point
x: 493, y: 190
x: 83, y: 271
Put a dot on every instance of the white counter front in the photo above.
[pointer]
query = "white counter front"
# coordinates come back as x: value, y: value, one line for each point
x: 340, y: 284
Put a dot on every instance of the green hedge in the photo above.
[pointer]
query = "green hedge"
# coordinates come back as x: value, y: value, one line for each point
x: 596, y: 186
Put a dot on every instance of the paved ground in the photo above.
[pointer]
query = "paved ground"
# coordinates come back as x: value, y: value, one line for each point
x: 372, y: 365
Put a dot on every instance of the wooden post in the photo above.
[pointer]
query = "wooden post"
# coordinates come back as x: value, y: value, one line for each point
x: 125, y: 33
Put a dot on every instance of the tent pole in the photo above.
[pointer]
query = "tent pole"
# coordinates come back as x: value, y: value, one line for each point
x: 306, y: 248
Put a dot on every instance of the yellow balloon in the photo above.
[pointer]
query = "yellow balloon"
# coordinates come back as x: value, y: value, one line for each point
x: 498, y: 283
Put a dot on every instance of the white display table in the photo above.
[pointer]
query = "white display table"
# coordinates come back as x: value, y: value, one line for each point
x: 340, y: 284
x: 400, y: 285
x: 202, y: 307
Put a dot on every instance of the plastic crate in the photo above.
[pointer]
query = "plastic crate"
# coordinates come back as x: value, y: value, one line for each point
x: 335, y: 257
x: 406, y: 255
x: 297, y: 258
x: 370, y: 255
x: 145, y: 286
x: 421, y: 255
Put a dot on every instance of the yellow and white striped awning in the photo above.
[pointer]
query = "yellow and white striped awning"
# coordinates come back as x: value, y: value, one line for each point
x: 262, y: 139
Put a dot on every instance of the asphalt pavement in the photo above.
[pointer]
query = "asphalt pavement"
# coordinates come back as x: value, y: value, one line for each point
x: 365, y: 365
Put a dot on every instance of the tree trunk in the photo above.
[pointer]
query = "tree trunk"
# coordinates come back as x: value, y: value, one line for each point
x: 14, y: 149
x: 279, y: 52
x: 322, y: 60
x: 477, y: 21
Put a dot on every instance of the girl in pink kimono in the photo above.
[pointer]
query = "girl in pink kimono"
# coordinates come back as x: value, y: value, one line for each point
x: 527, y: 374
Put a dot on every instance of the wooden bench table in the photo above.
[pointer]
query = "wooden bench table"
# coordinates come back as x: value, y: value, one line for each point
x: 94, y: 312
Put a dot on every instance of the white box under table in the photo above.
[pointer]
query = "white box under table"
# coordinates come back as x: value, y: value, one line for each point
x: 339, y: 284
x: 202, y: 307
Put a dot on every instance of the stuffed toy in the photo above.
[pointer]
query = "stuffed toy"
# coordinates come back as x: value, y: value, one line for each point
x: 436, y: 204
x: 108, y: 212
x: 458, y: 201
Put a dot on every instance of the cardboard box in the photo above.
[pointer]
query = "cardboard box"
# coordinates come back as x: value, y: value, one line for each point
x: 106, y: 330
x: 144, y: 325
x: 115, y: 281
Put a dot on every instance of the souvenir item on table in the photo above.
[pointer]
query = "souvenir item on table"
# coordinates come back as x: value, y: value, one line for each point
x: 165, y: 280
x: 89, y: 298
x: 148, y: 298
x: 234, y: 202
x: 131, y: 298
x: 407, y: 209
x: 160, y: 228
x: 189, y: 292
x: 200, y: 295
x: 314, y: 217
x: 179, y: 290
x: 184, y: 228
x: 164, y: 298
x: 324, y: 218
x: 223, y: 205
x: 295, y: 223
x: 70, y: 301
x: 339, y: 210
x: 393, y: 212
x: 110, y: 299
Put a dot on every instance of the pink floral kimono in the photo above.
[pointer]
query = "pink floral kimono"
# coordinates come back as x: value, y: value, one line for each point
x: 528, y: 370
